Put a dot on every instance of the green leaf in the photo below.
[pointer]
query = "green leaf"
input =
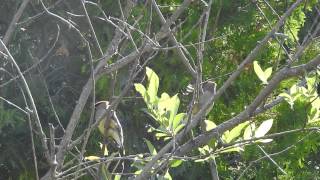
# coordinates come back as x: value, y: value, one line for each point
x: 167, y: 176
x: 202, y: 160
x: 316, y: 103
x: 142, y: 90
x: 234, y: 149
x: 314, y: 120
x: 235, y: 132
x: 225, y: 135
x: 310, y: 82
x: 164, y: 105
x: 285, y: 95
x: 174, y: 106
x: 92, y: 158
x: 151, y: 148
x: 288, y: 98
x: 105, y: 150
x: 303, y: 90
x: 264, y: 128
x: 249, y: 131
x: 204, y: 150
x: 138, y: 172
x: 209, y: 125
x: 117, y: 177
x: 168, y: 107
x: 259, y: 72
x: 160, y: 135
x: 153, y: 80
x: 268, y: 72
x: 175, y: 163
x: 147, y: 111
x: 264, y: 140
x: 177, y: 129
x: 164, y: 96
x: 262, y: 75
x: 161, y: 130
x: 177, y: 120
x: 293, y: 89
x: 213, y: 143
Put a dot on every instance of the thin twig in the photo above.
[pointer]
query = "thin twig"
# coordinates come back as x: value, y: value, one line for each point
x: 42, y: 135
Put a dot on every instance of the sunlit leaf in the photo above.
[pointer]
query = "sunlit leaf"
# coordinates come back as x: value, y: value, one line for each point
x: 164, y: 104
x: 138, y: 172
x: 177, y: 120
x: 268, y: 72
x: 314, y: 120
x: 262, y: 75
x: 105, y: 150
x: 288, y: 98
x: 117, y: 177
x: 235, y: 132
x: 161, y: 130
x: 153, y: 84
x: 285, y: 95
x: 310, y: 82
x: 293, y: 89
x: 149, y: 113
x: 92, y: 158
x: 316, y: 103
x: 264, y: 140
x: 204, y: 150
x: 225, y: 135
x: 175, y: 163
x: 164, y: 96
x: 142, y: 90
x: 177, y: 129
x: 174, y: 106
x: 302, y: 89
x: 249, y: 131
x: 167, y: 176
x: 264, y: 128
x: 161, y: 135
x: 234, y: 149
x: 202, y: 160
x: 209, y: 125
x: 314, y: 112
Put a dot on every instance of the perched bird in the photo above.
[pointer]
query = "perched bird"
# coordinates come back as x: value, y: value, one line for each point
x: 109, y: 126
x: 207, y: 91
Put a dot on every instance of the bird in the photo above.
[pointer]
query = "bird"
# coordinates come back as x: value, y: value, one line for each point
x: 109, y: 126
x: 207, y: 91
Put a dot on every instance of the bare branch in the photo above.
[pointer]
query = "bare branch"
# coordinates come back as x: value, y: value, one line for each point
x: 13, y: 23
x: 42, y: 135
